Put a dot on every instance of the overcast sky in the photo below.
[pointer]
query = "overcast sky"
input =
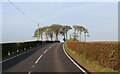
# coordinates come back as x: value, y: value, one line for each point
x: 100, y: 18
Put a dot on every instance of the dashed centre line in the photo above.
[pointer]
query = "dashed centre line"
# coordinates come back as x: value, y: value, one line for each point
x: 44, y: 53
x: 38, y: 59
x: 33, y: 66
x: 41, y: 57
x: 29, y: 72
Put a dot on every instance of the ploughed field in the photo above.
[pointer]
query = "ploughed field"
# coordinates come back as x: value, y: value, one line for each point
x: 104, y: 54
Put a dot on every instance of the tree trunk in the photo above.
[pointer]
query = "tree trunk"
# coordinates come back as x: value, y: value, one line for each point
x: 84, y: 37
x: 51, y: 38
x: 41, y: 37
x: 75, y: 34
x: 46, y: 37
x: 80, y: 36
x: 64, y: 38
x: 38, y: 36
x: 66, y: 35
x: 56, y: 36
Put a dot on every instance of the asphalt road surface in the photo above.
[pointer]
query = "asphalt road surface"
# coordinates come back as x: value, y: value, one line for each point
x: 48, y: 58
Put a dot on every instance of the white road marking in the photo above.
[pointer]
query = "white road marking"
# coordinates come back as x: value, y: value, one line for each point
x: 38, y: 59
x: 33, y: 66
x: 73, y: 61
x: 49, y: 48
x: 29, y: 72
x: 18, y: 55
x: 45, y: 51
x: 22, y: 53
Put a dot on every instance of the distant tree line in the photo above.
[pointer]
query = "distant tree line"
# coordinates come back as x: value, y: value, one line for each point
x: 52, y: 32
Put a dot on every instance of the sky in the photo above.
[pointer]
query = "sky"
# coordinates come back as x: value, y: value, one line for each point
x: 100, y: 18
x: 61, y: 0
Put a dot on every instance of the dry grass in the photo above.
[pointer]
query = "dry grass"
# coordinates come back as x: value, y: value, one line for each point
x: 96, y: 56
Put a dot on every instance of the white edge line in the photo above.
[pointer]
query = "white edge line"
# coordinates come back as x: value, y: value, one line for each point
x: 17, y: 55
x: 73, y: 60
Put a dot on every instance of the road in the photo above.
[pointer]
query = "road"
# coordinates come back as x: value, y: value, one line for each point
x: 48, y: 58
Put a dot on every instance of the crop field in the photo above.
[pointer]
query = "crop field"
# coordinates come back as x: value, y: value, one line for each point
x: 104, y: 54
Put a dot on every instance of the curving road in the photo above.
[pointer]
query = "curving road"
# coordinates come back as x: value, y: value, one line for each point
x: 48, y: 58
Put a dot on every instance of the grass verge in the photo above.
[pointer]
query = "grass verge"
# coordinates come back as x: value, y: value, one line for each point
x: 91, y: 66
x: 17, y: 53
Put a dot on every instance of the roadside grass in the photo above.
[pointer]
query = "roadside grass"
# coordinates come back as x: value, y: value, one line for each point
x: 91, y: 66
x: 13, y: 55
x: 16, y: 53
